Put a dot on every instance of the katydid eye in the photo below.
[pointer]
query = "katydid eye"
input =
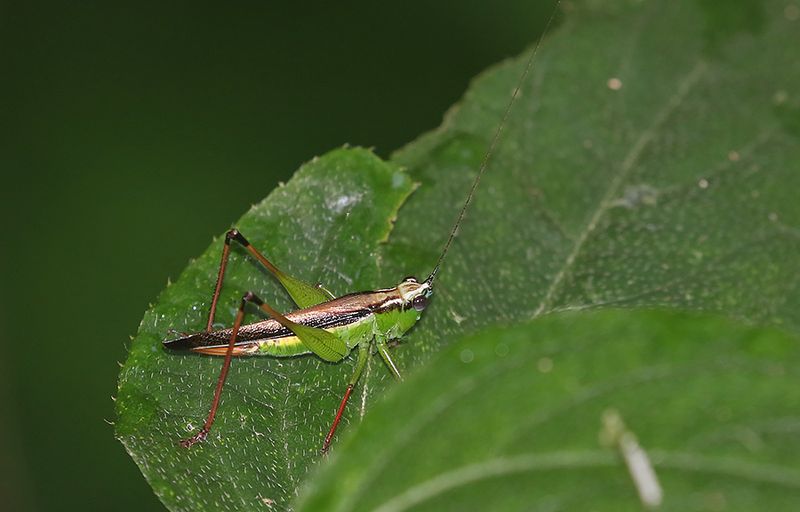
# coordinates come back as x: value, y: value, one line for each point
x: 410, y: 279
x: 420, y: 302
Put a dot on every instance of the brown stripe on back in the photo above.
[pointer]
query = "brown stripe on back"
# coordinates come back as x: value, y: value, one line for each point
x: 344, y: 310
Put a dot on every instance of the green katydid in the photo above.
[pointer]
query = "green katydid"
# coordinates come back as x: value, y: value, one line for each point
x: 326, y: 326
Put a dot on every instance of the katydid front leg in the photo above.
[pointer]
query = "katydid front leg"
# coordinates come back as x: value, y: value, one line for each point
x: 361, y: 362
x: 383, y: 350
x: 363, y: 352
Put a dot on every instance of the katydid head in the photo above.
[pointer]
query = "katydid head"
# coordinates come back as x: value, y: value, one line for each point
x: 414, y: 294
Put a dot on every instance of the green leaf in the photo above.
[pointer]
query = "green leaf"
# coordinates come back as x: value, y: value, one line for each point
x: 676, y: 189
x: 512, y: 419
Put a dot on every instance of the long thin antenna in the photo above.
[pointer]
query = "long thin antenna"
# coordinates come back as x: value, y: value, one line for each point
x: 495, y: 139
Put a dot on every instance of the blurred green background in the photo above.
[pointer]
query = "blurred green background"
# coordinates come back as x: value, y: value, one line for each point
x: 132, y: 133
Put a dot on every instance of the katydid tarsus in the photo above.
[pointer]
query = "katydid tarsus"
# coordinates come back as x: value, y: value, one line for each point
x: 326, y: 326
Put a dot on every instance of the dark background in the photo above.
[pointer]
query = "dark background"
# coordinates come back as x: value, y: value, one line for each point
x: 133, y: 133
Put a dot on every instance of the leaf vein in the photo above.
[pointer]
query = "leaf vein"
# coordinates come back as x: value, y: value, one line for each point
x: 630, y: 161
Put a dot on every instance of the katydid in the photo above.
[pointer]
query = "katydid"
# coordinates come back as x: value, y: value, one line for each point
x: 326, y: 326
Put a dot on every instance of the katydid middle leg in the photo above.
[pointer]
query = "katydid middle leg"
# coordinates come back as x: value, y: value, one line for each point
x: 363, y: 354
x: 223, y: 374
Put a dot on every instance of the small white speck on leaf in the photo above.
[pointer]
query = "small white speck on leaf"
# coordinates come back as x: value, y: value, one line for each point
x: 702, y: 183
x: 780, y: 97
x: 734, y: 156
x: 456, y: 317
x: 544, y: 365
x: 773, y: 216
x: 614, y: 83
x: 466, y: 356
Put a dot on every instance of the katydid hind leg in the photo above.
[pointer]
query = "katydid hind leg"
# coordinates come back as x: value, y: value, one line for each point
x: 223, y: 374
x: 302, y: 293
x: 223, y: 265
x: 363, y: 354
